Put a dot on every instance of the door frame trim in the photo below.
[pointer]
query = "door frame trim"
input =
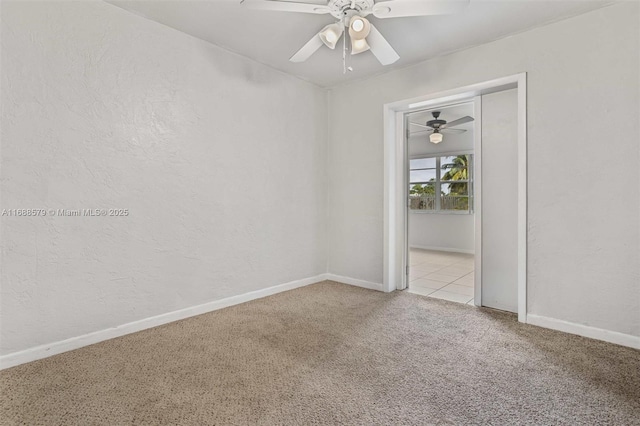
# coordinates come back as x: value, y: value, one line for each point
x: 477, y: 200
x: 395, y: 204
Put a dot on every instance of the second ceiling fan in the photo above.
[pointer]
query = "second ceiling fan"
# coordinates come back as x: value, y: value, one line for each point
x: 352, y: 14
x: 436, y: 127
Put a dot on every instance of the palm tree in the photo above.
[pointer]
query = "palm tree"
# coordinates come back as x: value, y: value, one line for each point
x: 458, y: 169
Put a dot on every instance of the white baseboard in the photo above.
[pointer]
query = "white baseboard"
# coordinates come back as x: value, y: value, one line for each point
x: 44, y: 351
x: 585, y: 331
x: 355, y: 282
x: 448, y: 249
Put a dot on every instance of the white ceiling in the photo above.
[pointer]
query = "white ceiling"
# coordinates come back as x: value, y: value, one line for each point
x: 273, y: 37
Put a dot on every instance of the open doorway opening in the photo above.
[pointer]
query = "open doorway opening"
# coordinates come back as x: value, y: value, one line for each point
x: 441, y: 210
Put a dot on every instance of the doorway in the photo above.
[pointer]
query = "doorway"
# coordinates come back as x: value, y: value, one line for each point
x: 396, y: 245
x: 440, y: 214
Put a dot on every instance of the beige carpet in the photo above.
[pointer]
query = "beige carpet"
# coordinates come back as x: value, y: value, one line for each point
x: 333, y: 354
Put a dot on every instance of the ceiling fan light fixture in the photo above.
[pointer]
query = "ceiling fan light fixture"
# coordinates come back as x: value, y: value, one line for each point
x: 359, y: 46
x: 331, y: 34
x: 359, y: 28
x: 351, y: 14
x: 435, y: 137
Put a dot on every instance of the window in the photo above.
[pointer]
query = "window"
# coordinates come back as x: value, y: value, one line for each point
x: 441, y: 184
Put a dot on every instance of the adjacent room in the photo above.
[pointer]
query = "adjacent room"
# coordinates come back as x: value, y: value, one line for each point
x: 441, y: 213
x: 333, y: 212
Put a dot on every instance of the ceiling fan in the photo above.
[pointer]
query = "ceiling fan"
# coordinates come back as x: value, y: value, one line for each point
x: 352, y: 14
x: 437, y: 127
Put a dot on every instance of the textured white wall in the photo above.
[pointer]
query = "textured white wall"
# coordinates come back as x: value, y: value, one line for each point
x: 221, y: 162
x: 583, y: 229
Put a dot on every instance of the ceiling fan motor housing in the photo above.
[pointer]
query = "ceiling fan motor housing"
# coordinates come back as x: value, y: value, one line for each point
x: 342, y: 8
x: 436, y: 122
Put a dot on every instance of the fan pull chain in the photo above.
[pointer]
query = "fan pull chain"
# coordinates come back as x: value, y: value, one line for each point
x: 344, y: 51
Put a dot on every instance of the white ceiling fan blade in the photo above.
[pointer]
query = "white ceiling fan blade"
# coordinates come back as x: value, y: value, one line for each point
x: 457, y: 122
x: 381, y: 48
x: 308, y: 49
x: 400, y: 8
x: 453, y: 131
x: 420, y: 125
x: 420, y: 132
x: 430, y: 130
x: 286, y: 6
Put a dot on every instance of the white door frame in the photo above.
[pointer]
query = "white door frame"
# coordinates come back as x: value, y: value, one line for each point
x: 395, y: 202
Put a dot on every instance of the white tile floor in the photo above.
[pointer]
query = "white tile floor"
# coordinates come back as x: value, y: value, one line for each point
x: 442, y: 275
